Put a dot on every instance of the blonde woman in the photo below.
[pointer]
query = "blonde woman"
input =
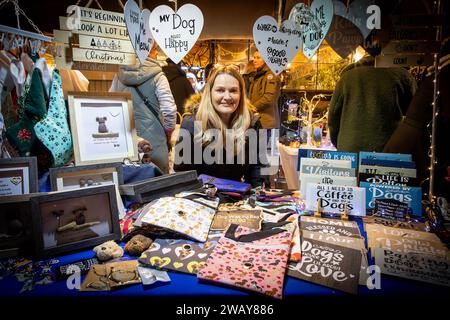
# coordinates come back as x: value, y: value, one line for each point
x: 220, y: 135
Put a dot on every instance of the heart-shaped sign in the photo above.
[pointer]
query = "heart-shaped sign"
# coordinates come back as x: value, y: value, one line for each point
x: 138, y: 28
x: 166, y: 250
x: 344, y: 37
x: 277, y: 46
x: 323, y: 12
x: 176, y: 33
x: 356, y: 13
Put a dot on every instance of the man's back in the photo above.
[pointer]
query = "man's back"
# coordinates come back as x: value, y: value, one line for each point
x: 367, y: 105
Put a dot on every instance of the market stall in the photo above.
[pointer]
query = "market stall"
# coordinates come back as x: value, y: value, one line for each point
x: 95, y: 201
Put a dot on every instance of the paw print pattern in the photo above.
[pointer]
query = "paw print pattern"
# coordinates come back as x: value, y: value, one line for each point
x: 53, y: 131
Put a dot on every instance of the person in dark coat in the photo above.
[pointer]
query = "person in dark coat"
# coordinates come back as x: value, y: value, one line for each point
x: 367, y: 105
x: 179, y: 85
x: 263, y: 92
x: 413, y: 134
x: 223, y: 109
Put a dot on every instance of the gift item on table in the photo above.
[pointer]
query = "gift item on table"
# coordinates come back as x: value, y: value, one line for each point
x: 329, y: 265
x: 105, y: 277
x: 253, y: 260
x: 354, y: 243
x: 249, y: 218
x: 181, y: 215
x: 150, y: 276
x: 410, y: 225
x: 37, y: 273
x: 330, y: 226
x: 108, y: 250
x: 274, y: 195
x: 405, y: 241
x: 157, y: 186
x: 420, y: 267
x: 179, y: 255
x: 225, y: 185
x: 137, y: 245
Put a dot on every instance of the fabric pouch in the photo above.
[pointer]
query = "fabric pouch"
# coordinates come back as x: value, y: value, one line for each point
x: 53, y: 131
x: 251, y: 260
x: 183, y: 216
x: 226, y: 185
x: 22, y: 135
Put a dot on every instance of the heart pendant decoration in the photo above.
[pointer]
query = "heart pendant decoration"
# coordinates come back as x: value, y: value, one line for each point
x: 176, y: 33
x: 277, y: 46
x: 356, y: 13
x: 138, y: 28
x: 323, y: 12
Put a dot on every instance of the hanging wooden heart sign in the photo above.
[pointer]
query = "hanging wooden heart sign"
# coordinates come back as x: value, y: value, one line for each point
x: 323, y: 12
x: 277, y: 46
x: 355, y: 12
x: 137, y: 23
x: 176, y: 32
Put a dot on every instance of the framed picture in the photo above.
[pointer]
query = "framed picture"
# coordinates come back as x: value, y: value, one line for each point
x: 72, y: 220
x: 15, y: 225
x: 18, y: 176
x: 103, y: 127
x: 77, y: 177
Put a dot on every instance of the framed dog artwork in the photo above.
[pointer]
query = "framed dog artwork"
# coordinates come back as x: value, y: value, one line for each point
x: 103, y: 127
x: 77, y: 177
x: 18, y: 176
x: 72, y: 220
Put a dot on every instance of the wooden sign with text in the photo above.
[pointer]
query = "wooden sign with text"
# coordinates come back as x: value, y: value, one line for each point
x: 96, y: 29
x: 403, y: 60
x: 101, y: 43
x: 329, y: 265
x: 100, y: 56
x: 413, y: 34
x: 411, y: 47
x: 413, y: 266
x: 248, y: 218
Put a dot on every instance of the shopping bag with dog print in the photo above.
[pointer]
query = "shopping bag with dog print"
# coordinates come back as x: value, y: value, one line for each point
x: 251, y: 260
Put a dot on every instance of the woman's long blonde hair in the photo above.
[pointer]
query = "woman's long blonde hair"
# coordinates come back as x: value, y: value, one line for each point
x: 210, y: 119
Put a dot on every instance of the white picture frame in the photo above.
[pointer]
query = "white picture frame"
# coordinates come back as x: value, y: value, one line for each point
x: 103, y: 127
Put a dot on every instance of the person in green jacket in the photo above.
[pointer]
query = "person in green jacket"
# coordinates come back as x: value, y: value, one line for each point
x: 263, y: 92
x: 367, y: 105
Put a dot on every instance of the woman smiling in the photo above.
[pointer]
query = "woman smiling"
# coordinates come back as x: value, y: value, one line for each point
x: 218, y: 128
